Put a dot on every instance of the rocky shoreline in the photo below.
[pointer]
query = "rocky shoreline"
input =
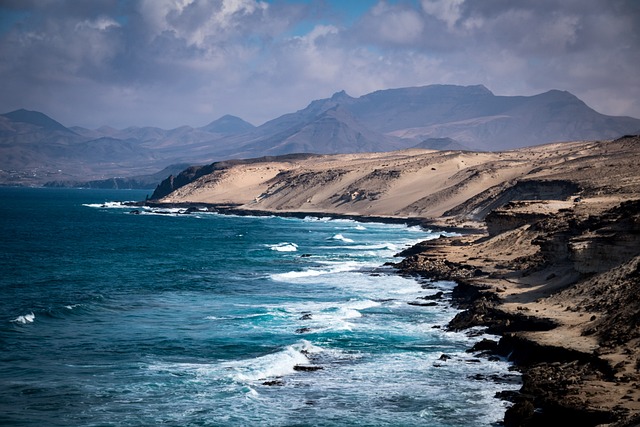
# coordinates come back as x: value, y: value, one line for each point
x: 577, y: 349
x: 231, y: 209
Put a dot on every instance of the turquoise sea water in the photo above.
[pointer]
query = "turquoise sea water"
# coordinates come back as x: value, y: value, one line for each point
x: 114, y: 319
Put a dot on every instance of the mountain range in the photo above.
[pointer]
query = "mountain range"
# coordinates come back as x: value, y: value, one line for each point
x: 35, y: 149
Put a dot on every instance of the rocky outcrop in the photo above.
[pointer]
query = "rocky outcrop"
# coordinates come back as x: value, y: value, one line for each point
x: 487, y: 202
x: 594, y: 244
x: 614, y: 295
x: 502, y: 220
x: 185, y: 177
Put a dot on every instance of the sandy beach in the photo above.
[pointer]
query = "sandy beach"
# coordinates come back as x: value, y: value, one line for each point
x: 550, y: 260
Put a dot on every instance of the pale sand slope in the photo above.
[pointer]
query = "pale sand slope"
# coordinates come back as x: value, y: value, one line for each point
x: 411, y: 183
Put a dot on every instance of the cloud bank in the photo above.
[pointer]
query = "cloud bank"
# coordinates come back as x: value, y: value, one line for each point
x: 172, y: 62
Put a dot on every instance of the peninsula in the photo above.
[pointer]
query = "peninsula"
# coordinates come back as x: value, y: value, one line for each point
x: 548, y: 256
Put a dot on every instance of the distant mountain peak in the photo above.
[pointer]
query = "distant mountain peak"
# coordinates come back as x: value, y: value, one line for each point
x: 447, y: 89
x: 36, y: 118
x: 561, y: 95
x: 481, y: 89
x: 228, y: 125
x: 340, y: 96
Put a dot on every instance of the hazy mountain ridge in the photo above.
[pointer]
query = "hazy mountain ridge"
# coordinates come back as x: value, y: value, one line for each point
x: 35, y: 118
x: 477, y: 118
x: 149, y: 181
x: 328, y: 130
x: 228, y: 125
x: 35, y: 148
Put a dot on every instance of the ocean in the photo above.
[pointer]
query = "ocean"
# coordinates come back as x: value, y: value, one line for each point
x: 163, y: 318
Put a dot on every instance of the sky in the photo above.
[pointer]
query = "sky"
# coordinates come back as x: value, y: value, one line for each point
x: 169, y: 63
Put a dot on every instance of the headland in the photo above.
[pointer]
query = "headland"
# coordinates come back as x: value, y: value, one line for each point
x: 548, y: 257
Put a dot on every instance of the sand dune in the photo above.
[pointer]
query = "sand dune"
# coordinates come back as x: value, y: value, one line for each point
x: 409, y: 183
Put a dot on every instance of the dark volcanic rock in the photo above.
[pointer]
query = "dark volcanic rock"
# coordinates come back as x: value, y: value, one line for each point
x: 307, y: 368
x: 484, y: 345
x: 483, y: 313
x: 519, y: 415
x: 436, y: 296
x: 423, y: 304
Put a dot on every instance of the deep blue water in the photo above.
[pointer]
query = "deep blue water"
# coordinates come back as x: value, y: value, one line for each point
x: 114, y: 319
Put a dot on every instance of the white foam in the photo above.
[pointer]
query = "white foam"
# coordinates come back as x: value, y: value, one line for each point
x: 387, y: 246
x: 360, y: 227
x: 273, y: 365
x: 283, y: 277
x: 109, y: 205
x: 164, y: 211
x: 27, y: 318
x: 242, y: 317
x: 328, y: 219
x: 417, y: 228
x: 284, y: 247
x: 251, y: 392
x: 340, y: 267
x: 342, y: 238
x: 328, y: 316
x: 316, y: 219
x: 362, y: 304
x: 334, y: 319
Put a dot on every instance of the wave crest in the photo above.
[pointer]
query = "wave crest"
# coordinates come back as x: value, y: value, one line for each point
x: 274, y: 365
x: 342, y: 238
x: 284, y: 247
x: 24, y: 319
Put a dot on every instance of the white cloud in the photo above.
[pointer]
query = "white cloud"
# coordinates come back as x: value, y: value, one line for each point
x: 400, y: 26
x: 200, y: 22
x: 102, y: 23
x: 447, y: 11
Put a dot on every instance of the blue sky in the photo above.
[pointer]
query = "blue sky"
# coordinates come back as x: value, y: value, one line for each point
x: 345, y: 12
x: 168, y: 63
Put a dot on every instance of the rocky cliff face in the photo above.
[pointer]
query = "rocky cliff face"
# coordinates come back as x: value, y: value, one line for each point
x: 594, y: 244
